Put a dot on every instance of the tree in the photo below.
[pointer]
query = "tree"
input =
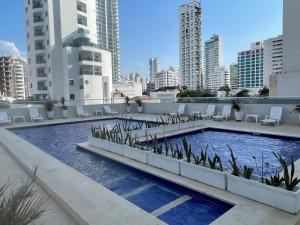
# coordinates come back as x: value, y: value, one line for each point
x: 264, y: 92
x: 225, y: 88
x: 243, y: 93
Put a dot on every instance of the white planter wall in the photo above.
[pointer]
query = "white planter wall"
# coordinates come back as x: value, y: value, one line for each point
x: 106, y: 145
x: 277, y: 197
x: 204, y: 175
x: 171, y: 128
x: 163, y: 162
x: 135, y: 154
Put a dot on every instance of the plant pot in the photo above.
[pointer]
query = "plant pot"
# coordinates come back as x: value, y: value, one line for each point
x: 274, y: 196
x: 238, y: 115
x: 65, y: 114
x: 50, y: 115
x: 135, y: 154
x: 140, y: 109
x: 205, y: 175
x: 163, y: 162
x: 128, y: 108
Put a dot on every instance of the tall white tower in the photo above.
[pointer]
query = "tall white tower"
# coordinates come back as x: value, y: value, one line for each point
x: 213, y: 61
x: 108, y: 31
x: 154, y: 66
x: 64, y: 59
x: 190, y: 46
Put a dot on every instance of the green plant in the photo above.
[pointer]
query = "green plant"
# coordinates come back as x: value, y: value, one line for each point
x: 275, y: 180
x: 187, y: 149
x: 247, y: 172
x: 48, y: 105
x: 24, y: 205
x: 235, y: 170
x: 297, y: 109
x: 139, y: 102
x: 127, y: 101
x: 289, y: 180
x: 236, y: 106
x: 62, y: 101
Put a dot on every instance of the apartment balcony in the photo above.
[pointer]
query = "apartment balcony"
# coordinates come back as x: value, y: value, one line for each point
x: 42, y: 89
x: 38, y: 20
x: 82, y: 8
x: 86, y: 72
x: 39, y: 34
x: 42, y: 61
x: 41, y: 75
x: 37, y: 5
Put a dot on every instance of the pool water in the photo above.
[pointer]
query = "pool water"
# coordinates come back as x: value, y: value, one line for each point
x: 244, y: 146
x: 146, y: 191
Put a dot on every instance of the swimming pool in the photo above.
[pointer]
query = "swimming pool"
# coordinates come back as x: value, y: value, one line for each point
x: 245, y: 146
x: 146, y: 191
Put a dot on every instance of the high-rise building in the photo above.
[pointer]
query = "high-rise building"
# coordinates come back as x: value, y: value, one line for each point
x: 273, y: 49
x: 64, y: 59
x: 213, y: 61
x: 218, y: 78
x: 166, y: 78
x: 107, y: 12
x: 190, y: 46
x: 154, y: 66
x: 13, y: 75
x: 288, y: 82
x: 234, y: 72
x: 250, y: 67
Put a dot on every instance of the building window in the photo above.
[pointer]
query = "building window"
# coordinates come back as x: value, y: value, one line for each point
x: 72, y: 96
x: 71, y: 82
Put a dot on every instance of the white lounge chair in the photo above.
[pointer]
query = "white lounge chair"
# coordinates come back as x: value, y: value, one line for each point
x: 4, y: 118
x: 179, y: 112
x: 226, y: 113
x: 81, y: 112
x: 108, y: 110
x: 210, y: 112
x: 274, y: 117
x: 35, y: 115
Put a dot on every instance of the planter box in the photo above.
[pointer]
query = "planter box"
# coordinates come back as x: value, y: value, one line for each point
x: 205, y: 175
x: 135, y: 154
x: 276, y: 197
x: 186, y: 125
x: 163, y: 162
x: 198, y: 123
x: 156, y: 130
x: 106, y: 145
x: 171, y: 128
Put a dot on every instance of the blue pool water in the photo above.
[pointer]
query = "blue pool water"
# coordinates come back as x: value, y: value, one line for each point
x: 244, y: 145
x: 146, y: 191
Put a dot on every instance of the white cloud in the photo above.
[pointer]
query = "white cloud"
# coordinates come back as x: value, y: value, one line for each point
x: 9, y: 49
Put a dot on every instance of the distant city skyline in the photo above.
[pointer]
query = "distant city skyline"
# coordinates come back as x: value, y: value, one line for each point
x: 152, y: 31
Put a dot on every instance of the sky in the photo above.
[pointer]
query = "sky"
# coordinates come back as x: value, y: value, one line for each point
x: 149, y: 28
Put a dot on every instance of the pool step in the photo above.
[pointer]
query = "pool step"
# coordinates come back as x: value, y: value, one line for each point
x: 170, y: 205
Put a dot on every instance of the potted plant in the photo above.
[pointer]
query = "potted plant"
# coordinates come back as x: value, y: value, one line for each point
x: 238, y: 113
x: 297, y: 110
x: 140, y: 105
x: 64, y: 108
x: 49, y: 108
x: 127, y: 104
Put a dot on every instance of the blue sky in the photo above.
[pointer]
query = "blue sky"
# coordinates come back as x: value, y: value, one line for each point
x: 149, y: 28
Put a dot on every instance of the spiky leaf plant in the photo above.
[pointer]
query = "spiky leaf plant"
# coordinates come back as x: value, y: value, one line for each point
x: 24, y: 205
x: 289, y: 180
x: 247, y: 172
x: 235, y: 170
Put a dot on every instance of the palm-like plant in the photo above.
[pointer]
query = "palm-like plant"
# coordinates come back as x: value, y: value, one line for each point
x: 23, y: 205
